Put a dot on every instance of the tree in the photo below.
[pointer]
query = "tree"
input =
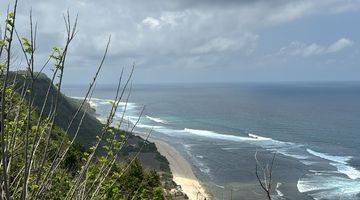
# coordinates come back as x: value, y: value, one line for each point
x: 266, y: 180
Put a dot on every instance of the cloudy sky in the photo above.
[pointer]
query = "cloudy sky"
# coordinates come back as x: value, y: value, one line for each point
x: 204, y: 40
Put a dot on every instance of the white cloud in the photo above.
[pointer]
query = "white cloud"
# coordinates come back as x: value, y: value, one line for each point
x: 151, y: 22
x: 245, y: 43
x: 290, y: 12
x: 340, y: 45
x: 175, y: 30
x: 172, y: 18
x: 314, y: 49
x: 166, y: 18
x: 215, y: 45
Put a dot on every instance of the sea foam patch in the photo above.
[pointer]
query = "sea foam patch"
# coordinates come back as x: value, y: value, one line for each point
x: 329, y: 187
x: 128, y: 110
x: 337, y: 159
x: 158, y: 120
x: 215, y: 135
x: 196, y: 160
x: 340, y: 162
x: 344, y: 183
x: 284, y: 148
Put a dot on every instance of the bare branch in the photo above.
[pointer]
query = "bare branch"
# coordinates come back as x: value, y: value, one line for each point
x: 265, y: 181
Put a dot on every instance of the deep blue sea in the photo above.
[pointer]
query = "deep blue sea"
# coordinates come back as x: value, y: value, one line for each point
x: 314, y: 128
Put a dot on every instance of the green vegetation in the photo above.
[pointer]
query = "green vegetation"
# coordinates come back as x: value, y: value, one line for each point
x: 123, y: 181
x: 66, y: 108
x: 51, y: 148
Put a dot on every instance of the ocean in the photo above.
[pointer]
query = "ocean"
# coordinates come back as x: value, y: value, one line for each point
x: 312, y: 127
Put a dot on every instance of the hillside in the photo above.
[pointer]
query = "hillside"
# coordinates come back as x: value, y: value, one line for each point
x: 67, y: 107
x: 91, y: 126
x: 149, y: 157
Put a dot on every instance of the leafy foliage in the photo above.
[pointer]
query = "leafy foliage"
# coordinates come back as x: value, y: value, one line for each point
x: 40, y: 158
x: 124, y: 181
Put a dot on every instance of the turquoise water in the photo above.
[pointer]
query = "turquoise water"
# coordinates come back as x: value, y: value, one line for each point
x: 313, y: 128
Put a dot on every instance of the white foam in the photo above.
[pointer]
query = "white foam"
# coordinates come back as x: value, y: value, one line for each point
x: 219, y: 186
x: 96, y: 102
x: 258, y: 137
x: 158, y: 120
x: 200, y: 156
x: 279, y: 193
x: 230, y: 148
x: 103, y: 107
x: 215, y: 135
x: 306, y: 162
x: 149, y: 126
x: 338, y: 159
x: 287, y: 151
x: 132, y: 119
x: 340, y: 162
x: 74, y: 97
x: 329, y: 187
x: 328, y: 184
x: 284, y: 148
x: 160, y: 129
x: 205, y: 170
x: 349, y: 171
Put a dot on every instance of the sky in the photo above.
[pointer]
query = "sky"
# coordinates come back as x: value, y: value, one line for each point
x: 186, y: 41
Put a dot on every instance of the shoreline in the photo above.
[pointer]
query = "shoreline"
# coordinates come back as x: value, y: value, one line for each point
x: 182, y: 172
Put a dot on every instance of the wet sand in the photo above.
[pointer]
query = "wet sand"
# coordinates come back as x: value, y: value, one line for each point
x: 182, y: 172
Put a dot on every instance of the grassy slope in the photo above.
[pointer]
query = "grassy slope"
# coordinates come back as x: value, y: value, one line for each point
x: 91, y: 127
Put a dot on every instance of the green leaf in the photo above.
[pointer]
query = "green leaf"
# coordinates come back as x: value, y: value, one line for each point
x: 2, y: 42
x: 10, y: 15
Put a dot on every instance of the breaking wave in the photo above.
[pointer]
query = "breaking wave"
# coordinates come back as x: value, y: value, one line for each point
x: 158, y: 120
x: 215, y: 135
x: 340, y: 162
x: 341, y: 183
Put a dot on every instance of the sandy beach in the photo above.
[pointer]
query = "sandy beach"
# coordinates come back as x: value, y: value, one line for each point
x: 182, y: 172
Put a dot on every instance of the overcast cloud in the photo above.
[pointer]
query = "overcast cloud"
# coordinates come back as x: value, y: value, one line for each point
x: 305, y: 50
x: 205, y: 40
